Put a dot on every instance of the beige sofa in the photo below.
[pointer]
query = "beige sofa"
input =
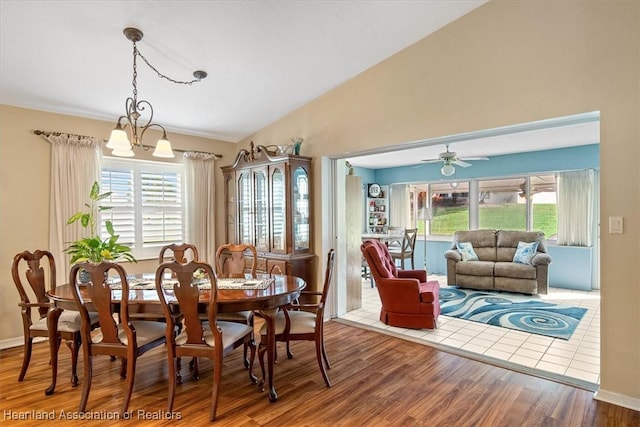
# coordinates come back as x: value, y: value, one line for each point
x: 495, y: 269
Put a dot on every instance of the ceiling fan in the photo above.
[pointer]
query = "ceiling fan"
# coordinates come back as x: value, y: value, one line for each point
x: 450, y: 158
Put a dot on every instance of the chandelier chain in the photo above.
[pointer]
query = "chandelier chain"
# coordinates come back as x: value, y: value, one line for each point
x: 188, y: 83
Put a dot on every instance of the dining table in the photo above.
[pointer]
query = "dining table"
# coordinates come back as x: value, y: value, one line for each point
x: 385, y: 238
x: 232, y: 296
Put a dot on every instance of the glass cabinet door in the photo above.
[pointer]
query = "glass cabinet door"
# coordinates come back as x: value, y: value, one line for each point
x: 261, y: 204
x: 300, y: 209
x: 245, y: 217
x: 278, y: 211
x: 231, y: 209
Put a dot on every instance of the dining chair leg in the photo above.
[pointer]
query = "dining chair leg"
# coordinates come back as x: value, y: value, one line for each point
x: 173, y: 378
x: 289, y: 352
x: 324, y: 355
x: 252, y: 377
x: 217, y: 375
x: 131, y: 375
x: 323, y: 371
x: 88, y: 376
x: 74, y: 346
x: 28, y: 345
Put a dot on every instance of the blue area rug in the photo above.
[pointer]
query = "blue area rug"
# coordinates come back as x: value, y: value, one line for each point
x: 527, y: 315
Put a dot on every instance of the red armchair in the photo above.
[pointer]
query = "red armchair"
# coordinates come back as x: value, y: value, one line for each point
x: 408, y: 299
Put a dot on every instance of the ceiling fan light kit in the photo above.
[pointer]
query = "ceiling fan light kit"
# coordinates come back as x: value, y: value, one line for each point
x: 450, y: 158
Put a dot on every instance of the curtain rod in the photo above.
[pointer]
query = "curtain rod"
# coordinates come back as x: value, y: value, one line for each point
x: 146, y: 147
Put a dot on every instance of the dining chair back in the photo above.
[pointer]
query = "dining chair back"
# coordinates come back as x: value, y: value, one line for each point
x: 34, y: 273
x: 200, y: 337
x: 178, y: 252
x: 303, y: 322
x: 231, y: 260
x: 127, y: 339
x: 406, y: 249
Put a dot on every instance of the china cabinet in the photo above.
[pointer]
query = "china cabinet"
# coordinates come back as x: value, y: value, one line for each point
x: 268, y: 204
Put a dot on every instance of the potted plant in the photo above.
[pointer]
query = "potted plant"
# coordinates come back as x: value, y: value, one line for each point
x: 93, y: 248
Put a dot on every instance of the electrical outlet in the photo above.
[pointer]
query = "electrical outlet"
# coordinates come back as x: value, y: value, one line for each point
x: 616, y: 225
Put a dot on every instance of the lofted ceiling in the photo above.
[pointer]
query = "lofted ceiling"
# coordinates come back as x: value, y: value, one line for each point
x: 264, y: 59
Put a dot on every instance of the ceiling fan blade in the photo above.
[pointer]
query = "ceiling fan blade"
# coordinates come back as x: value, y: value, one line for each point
x: 474, y: 158
x: 431, y: 160
x: 461, y: 163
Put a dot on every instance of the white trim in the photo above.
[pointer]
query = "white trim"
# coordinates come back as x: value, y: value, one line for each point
x: 617, y: 399
x: 17, y: 342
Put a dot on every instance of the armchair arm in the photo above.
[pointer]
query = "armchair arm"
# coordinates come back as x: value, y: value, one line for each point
x: 541, y: 259
x: 420, y: 275
x: 453, y: 255
x: 400, y: 295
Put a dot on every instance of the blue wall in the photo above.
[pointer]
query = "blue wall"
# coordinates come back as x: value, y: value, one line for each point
x: 571, y: 267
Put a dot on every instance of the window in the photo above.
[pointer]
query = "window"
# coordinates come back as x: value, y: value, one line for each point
x: 146, y: 203
x: 502, y: 204
x: 518, y: 203
x: 449, y: 207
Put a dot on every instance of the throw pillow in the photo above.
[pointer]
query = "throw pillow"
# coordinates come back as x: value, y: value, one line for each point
x: 525, y: 252
x: 467, y: 252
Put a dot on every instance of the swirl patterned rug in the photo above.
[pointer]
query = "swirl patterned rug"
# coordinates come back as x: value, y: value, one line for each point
x: 521, y: 313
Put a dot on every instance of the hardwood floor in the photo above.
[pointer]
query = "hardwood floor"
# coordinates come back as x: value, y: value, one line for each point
x: 378, y: 380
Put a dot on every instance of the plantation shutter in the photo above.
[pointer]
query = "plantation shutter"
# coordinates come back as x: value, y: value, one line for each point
x: 146, y: 204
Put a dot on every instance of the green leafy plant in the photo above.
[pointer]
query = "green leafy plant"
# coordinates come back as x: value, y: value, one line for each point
x: 93, y: 248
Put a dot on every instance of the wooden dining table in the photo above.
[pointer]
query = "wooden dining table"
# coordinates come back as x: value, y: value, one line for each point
x: 382, y: 237
x: 282, y: 290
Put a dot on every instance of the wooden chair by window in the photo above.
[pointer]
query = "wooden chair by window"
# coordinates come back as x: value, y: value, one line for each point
x: 406, y: 249
x: 38, y: 269
x: 232, y: 262
x: 209, y: 338
x: 303, y: 322
x: 128, y: 339
x: 178, y: 252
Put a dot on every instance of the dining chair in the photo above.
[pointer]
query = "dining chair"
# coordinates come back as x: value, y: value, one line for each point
x: 38, y: 269
x: 127, y: 339
x: 178, y: 252
x: 303, y: 322
x: 231, y: 261
x: 210, y: 337
x: 406, y: 249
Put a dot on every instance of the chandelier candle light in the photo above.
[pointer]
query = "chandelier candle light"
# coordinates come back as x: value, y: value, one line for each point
x: 119, y: 141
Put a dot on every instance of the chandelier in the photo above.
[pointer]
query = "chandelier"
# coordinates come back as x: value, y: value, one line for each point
x: 122, y: 143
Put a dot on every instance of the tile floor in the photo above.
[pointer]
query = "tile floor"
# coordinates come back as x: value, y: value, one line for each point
x: 575, y: 361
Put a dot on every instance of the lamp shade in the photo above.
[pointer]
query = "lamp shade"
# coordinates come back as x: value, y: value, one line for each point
x: 123, y: 152
x: 118, y: 139
x: 425, y: 214
x: 448, y: 170
x: 163, y: 148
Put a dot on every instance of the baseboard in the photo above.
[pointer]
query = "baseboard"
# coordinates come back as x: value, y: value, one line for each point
x: 17, y: 342
x: 617, y: 399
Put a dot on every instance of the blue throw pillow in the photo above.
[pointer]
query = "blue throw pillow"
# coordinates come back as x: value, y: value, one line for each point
x: 467, y: 252
x: 525, y: 252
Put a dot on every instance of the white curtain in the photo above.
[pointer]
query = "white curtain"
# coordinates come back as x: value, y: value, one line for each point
x: 576, y: 191
x: 199, y: 173
x: 75, y: 165
x: 399, y: 213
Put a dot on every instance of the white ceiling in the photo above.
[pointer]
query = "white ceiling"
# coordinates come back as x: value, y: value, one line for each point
x: 264, y: 58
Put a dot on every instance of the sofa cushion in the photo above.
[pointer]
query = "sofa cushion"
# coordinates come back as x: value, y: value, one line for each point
x: 466, y: 251
x: 525, y: 252
x: 475, y: 268
x: 515, y: 270
x: 483, y: 242
x: 507, y: 242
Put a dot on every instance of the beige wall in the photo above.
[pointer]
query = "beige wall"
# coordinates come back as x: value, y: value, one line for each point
x: 511, y: 62
x: 506, y: 62
x: 24, y: 191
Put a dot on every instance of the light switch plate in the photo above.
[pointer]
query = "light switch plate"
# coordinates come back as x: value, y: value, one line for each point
x: 616, y: 225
